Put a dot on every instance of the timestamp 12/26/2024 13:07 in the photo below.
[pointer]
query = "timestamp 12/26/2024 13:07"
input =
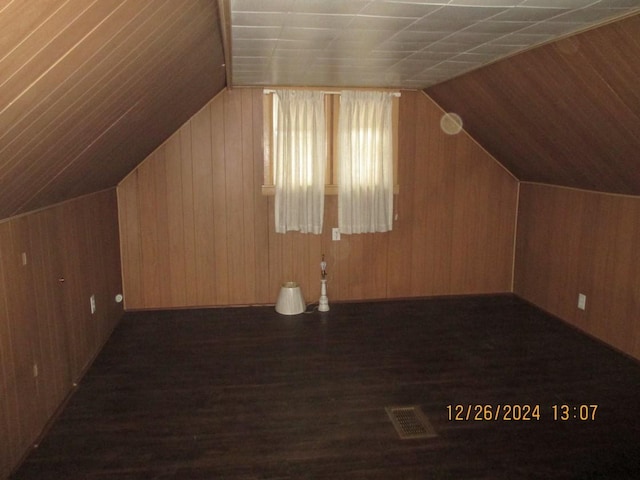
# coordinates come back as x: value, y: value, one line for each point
x: 520, y: 412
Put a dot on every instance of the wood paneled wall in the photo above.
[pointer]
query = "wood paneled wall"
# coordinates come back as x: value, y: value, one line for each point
x: 46, y: 325
x: 571, y: 242
x: 196, y: 230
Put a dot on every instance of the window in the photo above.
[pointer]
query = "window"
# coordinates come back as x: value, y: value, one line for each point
x: 332, y: 111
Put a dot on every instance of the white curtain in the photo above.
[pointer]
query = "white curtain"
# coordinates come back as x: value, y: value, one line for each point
x: 365, y: 162
x: 300, y: 159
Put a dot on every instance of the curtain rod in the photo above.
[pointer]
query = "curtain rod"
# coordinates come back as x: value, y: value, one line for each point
x: 267, y: 91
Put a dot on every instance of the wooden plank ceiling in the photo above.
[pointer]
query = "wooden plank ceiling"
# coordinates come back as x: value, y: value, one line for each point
x: 567, y: 113
x: 89, y: 88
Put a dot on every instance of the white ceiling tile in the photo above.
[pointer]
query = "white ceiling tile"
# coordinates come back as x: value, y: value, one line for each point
x: 367, y: 22
x: 289, y: 47
x: 408, y: 67
x: 245, y: 45
x: 351, y: 37
x: 445, y: 47
x: 477, y: 58
x: 550, y: 28
x: 558, y: 3
x: 341, y: 55
x: 398, y: 46
x: 470, y: 38
x: 350, y: 49
x: 311, y: 34
x: 256, y: 33
x: 419, y: 36
x: 308, y: 20
x: 261, y: 5
x: 586, y: 16
x: 444, y: 25
x: 251, y: 60
x: 520, y: 39
x: 619, y: 4
x: 495, y: 27
x: 495, y: 49
x: 398, y: 9
x: 528, y: 14
x: 251, y: 19
x: 486, y: 3
x: 466, y: 14
x: 430, y: 57
x: 340, y: 7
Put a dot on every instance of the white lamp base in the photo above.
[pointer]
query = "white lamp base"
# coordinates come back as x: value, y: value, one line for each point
x: 323, y: 304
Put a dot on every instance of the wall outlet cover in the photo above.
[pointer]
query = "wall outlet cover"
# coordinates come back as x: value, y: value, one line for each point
x: 582, y: 301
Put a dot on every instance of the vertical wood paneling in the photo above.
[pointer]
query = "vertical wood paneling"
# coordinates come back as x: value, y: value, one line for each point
x: 222, y: 237
x: 333, y: 254
x: 249, y: 189
x: 454, y: 233
x: 150, y: 228
x: 130, y: 240
x: 400, y: 269
x: 47, y: 333
x: 264, y: 293
x: 82, y: 331
x: 52, y: 353
x: 22, y: 325
x: 9, y: 401
x: 203, y: 175
x: 188, y: 214
x: 274, y: 253
x: 572, y: 242
x: 442, y: 169
x: 104, y: 272
x: 312, y: 263
x: 163, y: 239
x: 175, y: 221
x: 422, y: 185
x: 234, y: 174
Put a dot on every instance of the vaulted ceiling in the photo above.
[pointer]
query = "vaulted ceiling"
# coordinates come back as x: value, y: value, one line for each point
x: 88, y: 88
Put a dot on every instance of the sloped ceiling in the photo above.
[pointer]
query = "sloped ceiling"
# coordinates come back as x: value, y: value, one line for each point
x: 567, y: 113
x: 88, y: 88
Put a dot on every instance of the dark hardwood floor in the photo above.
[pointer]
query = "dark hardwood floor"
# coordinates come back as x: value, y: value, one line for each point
x: 245, y: 393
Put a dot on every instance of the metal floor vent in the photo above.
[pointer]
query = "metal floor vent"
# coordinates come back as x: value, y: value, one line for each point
x: 410, y: 422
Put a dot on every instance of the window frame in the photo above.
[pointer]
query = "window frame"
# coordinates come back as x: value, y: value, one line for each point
x: 332, y: 110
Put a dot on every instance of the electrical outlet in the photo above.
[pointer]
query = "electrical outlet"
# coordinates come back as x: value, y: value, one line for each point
x: 24, y: 258
x: 35, y: 370
x: 335, y: 233
x: 582, y: 301
x: 92, y: 301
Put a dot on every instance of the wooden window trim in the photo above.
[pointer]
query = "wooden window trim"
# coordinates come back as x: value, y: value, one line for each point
x: 332, y: 109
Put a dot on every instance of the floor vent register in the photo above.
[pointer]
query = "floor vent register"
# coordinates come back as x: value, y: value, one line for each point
x: 410, y: 422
